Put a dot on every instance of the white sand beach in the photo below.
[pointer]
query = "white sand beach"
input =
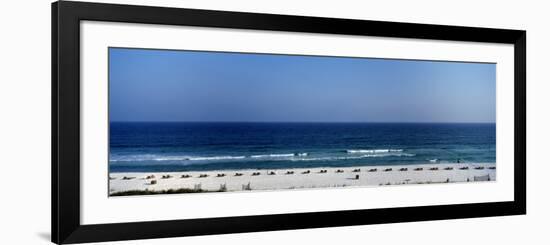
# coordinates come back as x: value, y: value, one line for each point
x: 275, y: 179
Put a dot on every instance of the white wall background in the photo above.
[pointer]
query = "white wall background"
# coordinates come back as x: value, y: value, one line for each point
x: 25, y: 122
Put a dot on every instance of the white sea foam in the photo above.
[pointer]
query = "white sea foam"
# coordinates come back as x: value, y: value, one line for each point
x: 304, y: 156
x: 216, y: 158
x: 286, y: 155
x: 147, y: 157
x: 152, y: 157
x: 356, y: 151
x: 272, y: 155
x: 354, y: 157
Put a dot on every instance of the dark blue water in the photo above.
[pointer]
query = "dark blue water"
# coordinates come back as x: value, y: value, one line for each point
x: 211, y: 146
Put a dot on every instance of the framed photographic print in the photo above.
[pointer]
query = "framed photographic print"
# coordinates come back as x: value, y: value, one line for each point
x: 177, y: 122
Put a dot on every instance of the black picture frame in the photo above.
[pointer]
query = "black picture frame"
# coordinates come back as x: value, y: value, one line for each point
x: 66, y: 17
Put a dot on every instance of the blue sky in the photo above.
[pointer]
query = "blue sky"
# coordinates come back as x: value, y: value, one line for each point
x: 165, y: 85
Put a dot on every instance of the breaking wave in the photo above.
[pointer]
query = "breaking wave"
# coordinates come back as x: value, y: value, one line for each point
x: 373, y: 151
x: 280, y: 155
x: 303, y: 156
x: 336, y: 158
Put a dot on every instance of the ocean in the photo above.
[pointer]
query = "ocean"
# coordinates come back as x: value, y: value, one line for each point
x: 196, y: 146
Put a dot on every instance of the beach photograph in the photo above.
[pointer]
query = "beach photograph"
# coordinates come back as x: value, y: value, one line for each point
x: 184, y: 121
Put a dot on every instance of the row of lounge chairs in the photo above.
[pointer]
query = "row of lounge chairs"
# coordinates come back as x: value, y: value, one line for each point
x: 357, y: 170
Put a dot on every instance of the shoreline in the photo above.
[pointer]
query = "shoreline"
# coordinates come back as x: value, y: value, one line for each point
x: 146, y: 183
